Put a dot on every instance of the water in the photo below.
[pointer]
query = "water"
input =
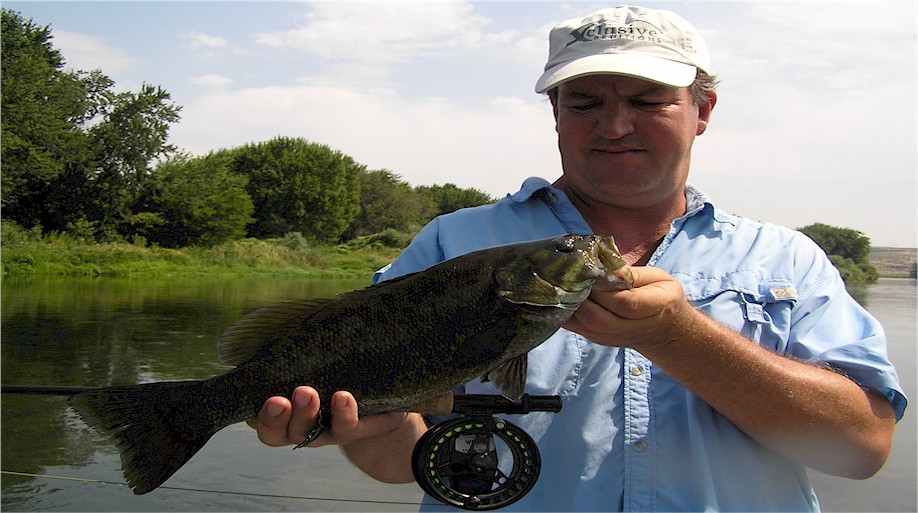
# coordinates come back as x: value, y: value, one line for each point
x: 89, y: 332
x: 893, y: 302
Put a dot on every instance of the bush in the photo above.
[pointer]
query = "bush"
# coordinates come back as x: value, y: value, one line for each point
x: 389, y: 238
x: 847, y: 249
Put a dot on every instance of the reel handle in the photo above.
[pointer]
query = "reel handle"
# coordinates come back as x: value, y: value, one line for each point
x: 473, y: 404
x: 485, y: 405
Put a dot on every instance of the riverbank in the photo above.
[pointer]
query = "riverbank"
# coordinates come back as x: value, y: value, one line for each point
x: 28, y: 253
x: 894, y: 262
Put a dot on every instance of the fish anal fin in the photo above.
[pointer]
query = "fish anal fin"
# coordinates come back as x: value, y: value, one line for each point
x: 242, y: 340
x: 509, y: 377
x: 439, y: 405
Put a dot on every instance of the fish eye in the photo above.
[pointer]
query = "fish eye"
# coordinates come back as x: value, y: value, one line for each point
x: 565, y: 245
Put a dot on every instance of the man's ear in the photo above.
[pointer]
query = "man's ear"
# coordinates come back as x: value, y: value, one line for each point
x: 554, y: 108
x: 704, y: 112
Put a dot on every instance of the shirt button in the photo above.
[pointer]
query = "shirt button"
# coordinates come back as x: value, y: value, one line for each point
x: 636, y: 370
x: 640, y: 446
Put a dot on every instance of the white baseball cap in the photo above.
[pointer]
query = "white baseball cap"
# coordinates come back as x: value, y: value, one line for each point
x: 659, y: 46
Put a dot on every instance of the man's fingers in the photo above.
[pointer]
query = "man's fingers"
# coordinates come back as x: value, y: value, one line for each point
x: 303, y: 418
x: 283, y: 422
x: 647, y: 275
x: 347, y: 426
x: 271, y: 424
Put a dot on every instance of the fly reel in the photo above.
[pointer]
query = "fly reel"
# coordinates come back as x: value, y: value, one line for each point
x: 477, y: 461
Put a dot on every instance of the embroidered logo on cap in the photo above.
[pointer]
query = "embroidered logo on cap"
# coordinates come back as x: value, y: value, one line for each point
x: 608, y: 31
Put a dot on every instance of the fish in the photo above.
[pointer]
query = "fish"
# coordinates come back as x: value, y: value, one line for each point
x: 392, y: 345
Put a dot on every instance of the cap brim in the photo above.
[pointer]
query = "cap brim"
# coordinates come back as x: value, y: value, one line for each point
x: 654, y: 69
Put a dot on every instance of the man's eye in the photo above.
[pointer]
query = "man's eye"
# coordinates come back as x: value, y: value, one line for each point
x: 584, y: 106
x: 647, y: 104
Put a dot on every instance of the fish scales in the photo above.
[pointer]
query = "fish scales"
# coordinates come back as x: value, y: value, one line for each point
x: 391, y: 345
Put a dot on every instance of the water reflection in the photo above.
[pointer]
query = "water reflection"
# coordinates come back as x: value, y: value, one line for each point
x: 95, y: 332
x: 112, y: 331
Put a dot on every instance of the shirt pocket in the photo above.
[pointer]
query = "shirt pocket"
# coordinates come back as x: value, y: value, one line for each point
x: 759, y: 308
x: 553, y: 367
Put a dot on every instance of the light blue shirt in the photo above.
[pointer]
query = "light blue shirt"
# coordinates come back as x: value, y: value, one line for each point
x: 631, y: 438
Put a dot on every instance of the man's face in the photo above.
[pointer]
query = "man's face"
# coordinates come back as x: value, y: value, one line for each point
x: 626, y: 141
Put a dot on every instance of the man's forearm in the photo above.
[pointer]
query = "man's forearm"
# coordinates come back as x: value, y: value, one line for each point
x: 811, y: 414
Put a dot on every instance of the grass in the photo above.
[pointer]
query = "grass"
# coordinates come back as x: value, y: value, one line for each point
x: 29, y: 252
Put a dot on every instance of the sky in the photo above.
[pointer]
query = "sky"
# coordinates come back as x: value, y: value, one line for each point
x: 815, y: 119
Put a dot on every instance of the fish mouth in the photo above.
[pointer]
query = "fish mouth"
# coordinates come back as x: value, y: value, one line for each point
x: 615, y: 272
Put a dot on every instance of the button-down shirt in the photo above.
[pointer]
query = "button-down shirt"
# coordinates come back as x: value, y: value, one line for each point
x: 629, y: 437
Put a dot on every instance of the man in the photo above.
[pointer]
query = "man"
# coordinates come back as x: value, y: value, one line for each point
x: 736, y: 361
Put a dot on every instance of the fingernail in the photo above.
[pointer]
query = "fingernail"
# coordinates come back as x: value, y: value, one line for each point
x: 274, y: 410
x: 301, y: 399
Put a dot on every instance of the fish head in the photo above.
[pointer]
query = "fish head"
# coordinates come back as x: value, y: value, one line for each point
x: 561, y: 271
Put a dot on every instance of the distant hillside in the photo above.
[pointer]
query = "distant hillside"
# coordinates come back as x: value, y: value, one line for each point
x: 894, y: 262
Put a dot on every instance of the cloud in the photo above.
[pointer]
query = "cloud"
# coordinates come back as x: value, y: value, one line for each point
x: 197, y: 40
x: 85, y: 52
x: 816, y: 46
x: 385, y: 31
x: 211, y: 80
x: 426, y: 141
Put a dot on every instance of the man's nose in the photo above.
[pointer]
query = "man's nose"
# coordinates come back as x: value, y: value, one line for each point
x: 615, y: 121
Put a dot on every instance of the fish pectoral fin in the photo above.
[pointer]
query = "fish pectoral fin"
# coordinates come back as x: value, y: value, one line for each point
x: 527, y: 289
x: 509, y: 377
x: 242, y: 340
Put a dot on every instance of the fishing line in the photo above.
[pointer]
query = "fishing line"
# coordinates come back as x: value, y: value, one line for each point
x: 217, y: 492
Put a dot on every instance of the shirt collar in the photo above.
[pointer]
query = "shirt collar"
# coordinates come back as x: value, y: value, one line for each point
x: 530, y: 187
x: 696, y: 201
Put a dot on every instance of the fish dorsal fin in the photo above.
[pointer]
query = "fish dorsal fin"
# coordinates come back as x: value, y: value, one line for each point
x: 509, y: 377
x: 243, y: 339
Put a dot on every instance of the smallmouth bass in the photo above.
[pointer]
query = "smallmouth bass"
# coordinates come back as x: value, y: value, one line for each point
x: 392, y: 345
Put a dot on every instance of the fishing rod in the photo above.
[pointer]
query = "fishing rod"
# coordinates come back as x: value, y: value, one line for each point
x: 43, y: 389
x: 457, y: 461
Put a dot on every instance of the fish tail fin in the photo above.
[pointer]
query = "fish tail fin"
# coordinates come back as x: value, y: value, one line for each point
x: 157, y: 427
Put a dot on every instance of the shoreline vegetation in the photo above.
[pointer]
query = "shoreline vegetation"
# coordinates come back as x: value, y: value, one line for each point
x: 31, y: 253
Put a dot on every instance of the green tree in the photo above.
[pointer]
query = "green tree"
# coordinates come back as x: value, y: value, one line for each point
x: 388, y: 202
x: 41, y: 112
x: 73, y: 151
x: 192, y: 201
x: 449, y: 197
x: 848, y: 249
x: 299, y: 186
x: 132, y: 132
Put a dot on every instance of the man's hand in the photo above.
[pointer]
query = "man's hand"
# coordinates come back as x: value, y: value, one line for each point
x: 379, y: 444
x: 654, y: 312
x: 283, y: 422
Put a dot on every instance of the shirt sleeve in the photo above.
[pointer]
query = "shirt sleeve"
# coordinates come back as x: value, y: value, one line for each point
x: 830, y: 326
x: 423, y: 252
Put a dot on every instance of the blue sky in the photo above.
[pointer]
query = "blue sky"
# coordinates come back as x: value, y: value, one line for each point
x: 816, y: 118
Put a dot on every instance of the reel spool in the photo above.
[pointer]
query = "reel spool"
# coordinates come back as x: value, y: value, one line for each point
x: 479, y: 462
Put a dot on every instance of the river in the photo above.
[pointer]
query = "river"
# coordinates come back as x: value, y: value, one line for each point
x: 89, y: 332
